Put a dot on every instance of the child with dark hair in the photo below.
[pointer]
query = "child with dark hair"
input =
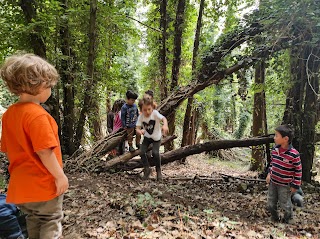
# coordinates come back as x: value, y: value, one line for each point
x: 285, y: 172
x: 129, y: 116
x: 110, y: 118
x: 148, y: 94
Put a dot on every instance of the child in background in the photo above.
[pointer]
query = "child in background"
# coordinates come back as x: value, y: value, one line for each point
x: 129, y: 116
x: 149, y: 125
x: 117, y: 123
x: 110, y: 119
x: 149, y: 93
x: 285, y: 171
x: 31, y: 143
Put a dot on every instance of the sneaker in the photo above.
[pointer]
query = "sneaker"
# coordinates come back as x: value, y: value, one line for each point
x: 132, y: 149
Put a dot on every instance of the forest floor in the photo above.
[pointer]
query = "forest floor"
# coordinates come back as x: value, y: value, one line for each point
x: 193, y: 201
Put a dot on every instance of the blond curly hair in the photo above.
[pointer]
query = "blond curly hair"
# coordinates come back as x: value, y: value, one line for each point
x: 28, y: 73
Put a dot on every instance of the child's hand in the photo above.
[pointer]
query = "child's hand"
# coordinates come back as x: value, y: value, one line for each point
x: 140, y: 131
x: 268, y: 178
x: 293, y: 190
x: 165, y: 130
x: 62, y: 184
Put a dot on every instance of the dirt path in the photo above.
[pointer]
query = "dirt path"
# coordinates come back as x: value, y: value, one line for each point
x: 124, y: 206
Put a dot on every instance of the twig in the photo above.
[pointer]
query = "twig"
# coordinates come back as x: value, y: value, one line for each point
x: 241, y: 178
x: 195, y: 178
x: 155, y: 29
x: 308, y: 76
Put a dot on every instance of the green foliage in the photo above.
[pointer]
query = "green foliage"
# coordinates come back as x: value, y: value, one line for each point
x: 146, y: 200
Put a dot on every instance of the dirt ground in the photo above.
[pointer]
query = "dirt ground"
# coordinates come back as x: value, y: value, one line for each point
x: 195, y: 200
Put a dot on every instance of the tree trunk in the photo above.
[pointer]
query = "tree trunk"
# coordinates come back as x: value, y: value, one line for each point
x: 258, y: 116
x: 35, y: 38
x: 67, y: 79
x: 310, y: 116
x: 195, y: 119
x: 163, y: 50
x: 178, y: 26
x: 293, y: 112
x: 96, y: 120
x: 187, y: 123
x: 177, y: 154
x: 92, y: 81
x: 37, y: 43
x: 301, y: 104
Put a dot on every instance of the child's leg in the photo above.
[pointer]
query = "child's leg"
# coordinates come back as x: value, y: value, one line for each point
x: 32, y: 221
x: 156, y: 156
x: 44, y: 218
x: 10, y: 228
x: 144, y: 147
x: 285, y: 202
x: 138, y: 139
x: 273, y: 201
x: 130, y: 132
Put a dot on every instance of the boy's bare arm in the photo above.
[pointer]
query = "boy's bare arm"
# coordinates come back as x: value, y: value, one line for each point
x: 139, y: 130
x: 49, y: 160
x: 165, y: 128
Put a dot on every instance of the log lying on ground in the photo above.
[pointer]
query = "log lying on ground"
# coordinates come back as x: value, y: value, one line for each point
x: 199, y: 148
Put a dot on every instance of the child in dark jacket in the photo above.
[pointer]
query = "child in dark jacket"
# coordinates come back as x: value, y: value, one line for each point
x: 129, y: 117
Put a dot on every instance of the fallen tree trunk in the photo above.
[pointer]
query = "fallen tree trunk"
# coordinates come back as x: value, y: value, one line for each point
x: 94, y: 162
x: 177, y: 154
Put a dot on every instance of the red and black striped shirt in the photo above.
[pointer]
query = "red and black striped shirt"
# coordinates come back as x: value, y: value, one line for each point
x: 285, y: 167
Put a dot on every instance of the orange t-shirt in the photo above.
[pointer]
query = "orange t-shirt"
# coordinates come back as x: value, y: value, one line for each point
x: 26, y: 129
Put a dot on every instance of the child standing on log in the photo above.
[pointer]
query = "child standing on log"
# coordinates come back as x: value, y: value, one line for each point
x: 285, y: 171
x: 31, y: 142
x: 129, y: 116
x: 149, y: 125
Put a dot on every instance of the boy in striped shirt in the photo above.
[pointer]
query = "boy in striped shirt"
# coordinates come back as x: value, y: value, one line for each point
x: 285, y: 171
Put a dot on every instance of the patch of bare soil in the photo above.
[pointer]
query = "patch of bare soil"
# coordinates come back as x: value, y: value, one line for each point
x: 195, y: 200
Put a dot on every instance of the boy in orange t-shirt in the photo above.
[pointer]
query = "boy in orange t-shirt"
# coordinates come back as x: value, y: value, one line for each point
x: 31, y: 143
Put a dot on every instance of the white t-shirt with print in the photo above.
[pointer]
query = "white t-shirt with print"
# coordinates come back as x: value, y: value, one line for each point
x: 151, y: 125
